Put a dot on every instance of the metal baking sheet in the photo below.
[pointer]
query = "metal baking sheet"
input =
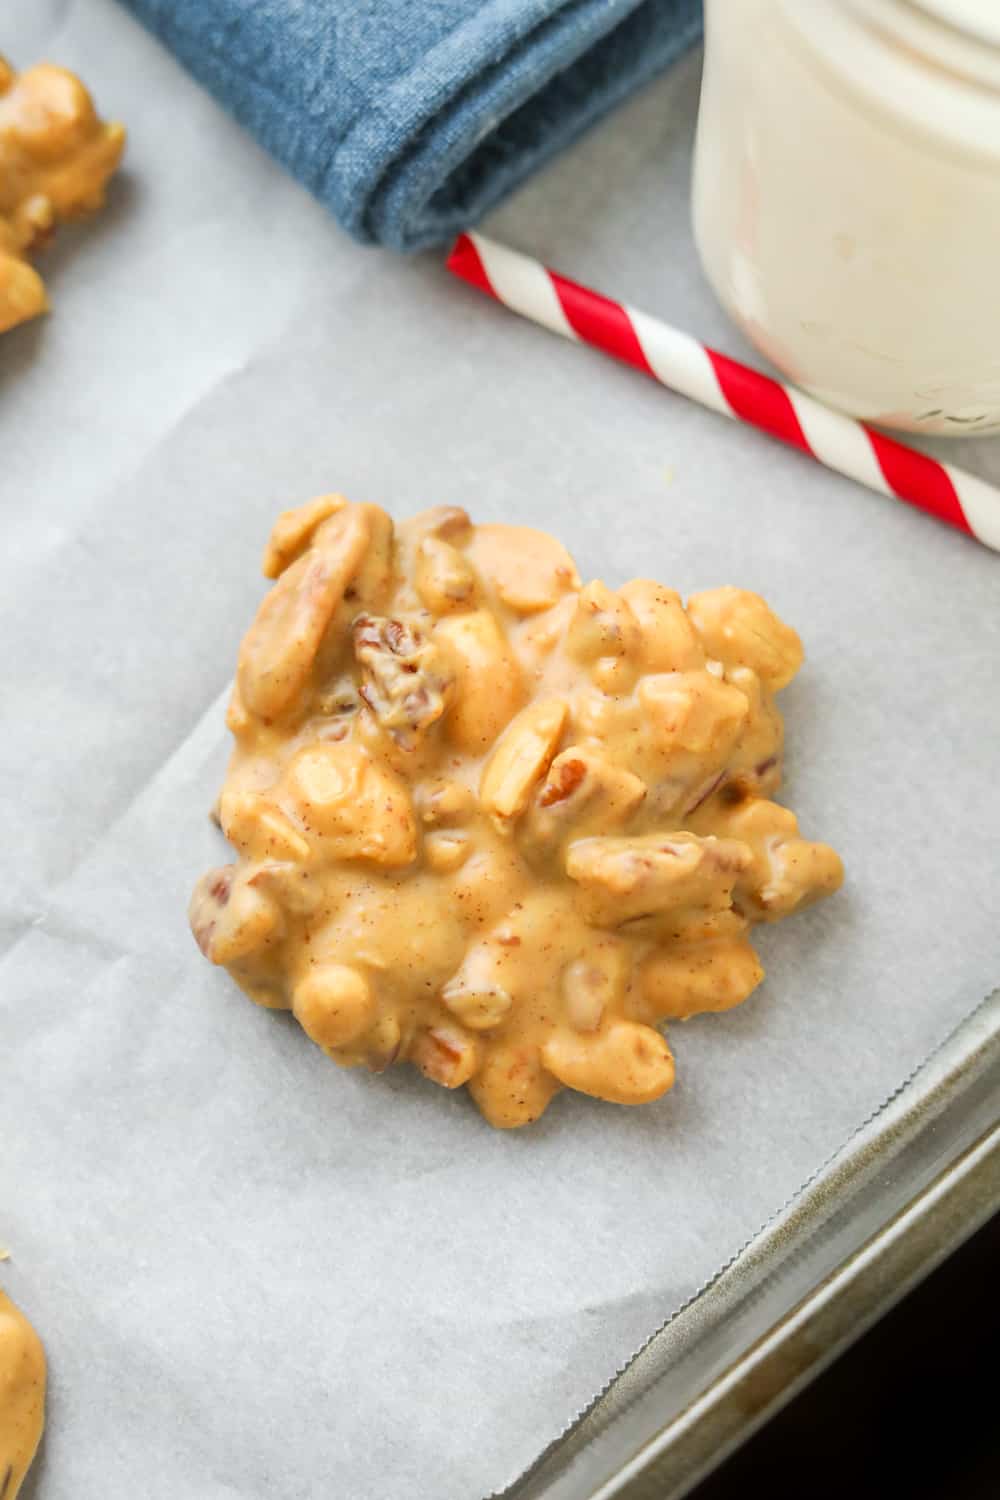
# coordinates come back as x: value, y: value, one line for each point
x: 906, y: 1189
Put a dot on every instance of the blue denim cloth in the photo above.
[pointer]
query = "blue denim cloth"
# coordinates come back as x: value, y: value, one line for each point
x: 410, y: 118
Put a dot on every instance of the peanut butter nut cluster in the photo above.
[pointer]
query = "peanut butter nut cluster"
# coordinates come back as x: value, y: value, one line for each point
x: 495, y: 823
x: 55, y: 159
x: 22, y: 1396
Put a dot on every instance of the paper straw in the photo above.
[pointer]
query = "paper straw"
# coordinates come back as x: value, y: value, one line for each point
x: 680, y: 362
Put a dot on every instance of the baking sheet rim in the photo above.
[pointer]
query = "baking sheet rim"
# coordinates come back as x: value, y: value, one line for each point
x: 961, y: 1057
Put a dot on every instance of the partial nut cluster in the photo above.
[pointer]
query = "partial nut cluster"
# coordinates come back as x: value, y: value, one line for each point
x: 22, y: 1396
x: 494, y: 823
x: 55, y: 159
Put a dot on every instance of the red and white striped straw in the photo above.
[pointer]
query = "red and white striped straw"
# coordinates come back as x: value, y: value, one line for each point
x: 680, y: 362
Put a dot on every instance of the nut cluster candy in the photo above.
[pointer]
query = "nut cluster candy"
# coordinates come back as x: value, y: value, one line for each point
x: 494, y: 823
x: 22, y: 1396
x: 55, y: 159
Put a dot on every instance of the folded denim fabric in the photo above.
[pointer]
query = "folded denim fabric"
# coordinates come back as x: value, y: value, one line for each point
x: 410, y: 118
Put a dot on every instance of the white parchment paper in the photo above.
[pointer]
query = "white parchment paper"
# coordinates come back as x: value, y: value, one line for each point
x: 256, y: 1274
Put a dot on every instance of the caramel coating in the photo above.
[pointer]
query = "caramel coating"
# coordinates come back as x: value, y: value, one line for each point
x: 55, y: 159
x: 495, y: 823
x: 22, y: 1396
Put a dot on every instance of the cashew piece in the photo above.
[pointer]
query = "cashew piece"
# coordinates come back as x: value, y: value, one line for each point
x: 231, y: 919
x: 293, y: 531
x: 742, y: 630
x: 333, y: 1004
x: 592, y: 984
x: 279, y: 648
x: 521, y: 759
x: 669, y: 640
x: 488, y: 685
x: 627, y: 1064
x: 251, y: 822
x: 529, y: 569
x: 22, y: 1395
x: 602, y: 625
x: 511, y: 1088
x: 688, y: 979
x: 695, y: 712
x: 359, y: 809
x: 446, y: 582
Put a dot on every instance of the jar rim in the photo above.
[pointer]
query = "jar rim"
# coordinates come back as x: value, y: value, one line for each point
x: 976, y: 18
x: 961, y: 37
x: 885, y: 38
x: 907, y: 65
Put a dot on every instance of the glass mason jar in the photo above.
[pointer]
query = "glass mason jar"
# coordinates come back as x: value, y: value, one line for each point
x: 847, y: 199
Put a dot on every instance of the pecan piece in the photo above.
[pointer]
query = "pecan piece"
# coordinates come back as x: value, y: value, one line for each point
x: 566, y: 777
x: 446, y: 1056
x: 623, y: 880
x: 404, y: 679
